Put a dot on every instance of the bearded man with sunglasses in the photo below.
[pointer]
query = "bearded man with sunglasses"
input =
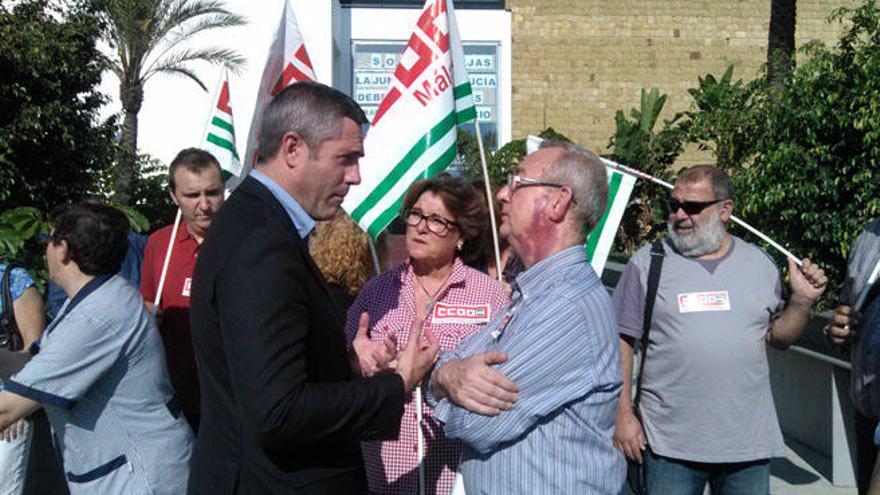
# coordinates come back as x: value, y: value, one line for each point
x: 707, y: 413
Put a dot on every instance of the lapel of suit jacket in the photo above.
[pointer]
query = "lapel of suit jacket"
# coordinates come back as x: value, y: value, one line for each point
x: 276, y: 210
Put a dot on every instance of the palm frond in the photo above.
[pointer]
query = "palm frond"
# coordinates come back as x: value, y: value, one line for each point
x: 128, y: 22
x: 212, y: 55
x: 151, y: 37
x: 184, y: 33
x: 190, y: 29
x: 178, y: 71
x: 181, y: 12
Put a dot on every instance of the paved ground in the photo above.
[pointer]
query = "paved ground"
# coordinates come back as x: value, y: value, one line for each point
x: 793, y: 476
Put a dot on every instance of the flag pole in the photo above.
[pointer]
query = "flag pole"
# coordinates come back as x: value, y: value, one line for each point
x: 421, y: 439
x: 158, y: 297
x: 376, y: 265
x: 491, y: 204
x: 737, y: 220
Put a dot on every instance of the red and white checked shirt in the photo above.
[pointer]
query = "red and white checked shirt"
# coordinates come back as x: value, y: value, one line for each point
x: 469, y: 301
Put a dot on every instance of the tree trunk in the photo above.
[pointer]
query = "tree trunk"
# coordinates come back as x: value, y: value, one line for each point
x: 132, y: 96
x: 780, y: 41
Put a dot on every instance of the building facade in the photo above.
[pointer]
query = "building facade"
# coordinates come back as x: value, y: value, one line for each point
x: 576, y: 62
x: 566, y: 64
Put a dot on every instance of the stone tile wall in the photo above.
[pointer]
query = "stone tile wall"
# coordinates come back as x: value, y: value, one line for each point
x: 576, y: 62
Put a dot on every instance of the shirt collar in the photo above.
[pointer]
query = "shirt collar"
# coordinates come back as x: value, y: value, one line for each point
x: 301, y: 220
x: 183, y: 232
x: 91, y: 286
x: 550, y: 269
x: 458, y: 275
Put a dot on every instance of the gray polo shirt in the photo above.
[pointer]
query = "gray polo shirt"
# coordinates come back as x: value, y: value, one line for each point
x: 706, y: 388
x: 100, y: 375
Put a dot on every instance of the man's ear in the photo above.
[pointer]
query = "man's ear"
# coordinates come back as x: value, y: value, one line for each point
x: 64, y: 251
x: 173, y: 197
x: 294, y: 149
x: 559, y: 206
x: 726, y: 210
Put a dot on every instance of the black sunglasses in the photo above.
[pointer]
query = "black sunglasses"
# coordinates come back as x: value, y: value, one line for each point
x: 689, y: 207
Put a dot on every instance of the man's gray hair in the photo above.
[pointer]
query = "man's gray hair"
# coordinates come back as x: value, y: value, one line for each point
x: 312, y: 110
x: 717, y: 178
x: 583, y: 172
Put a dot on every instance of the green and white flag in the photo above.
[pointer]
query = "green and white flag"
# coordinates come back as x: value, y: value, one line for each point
x: 601, y: 238
x: 219, y: 137
x: 412, y: 135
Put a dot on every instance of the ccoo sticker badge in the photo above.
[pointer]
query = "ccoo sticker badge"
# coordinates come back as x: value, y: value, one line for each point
x: 458, y: 313
x: 696, y: 302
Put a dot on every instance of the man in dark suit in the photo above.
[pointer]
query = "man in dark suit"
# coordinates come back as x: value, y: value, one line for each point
x: 280, y: 410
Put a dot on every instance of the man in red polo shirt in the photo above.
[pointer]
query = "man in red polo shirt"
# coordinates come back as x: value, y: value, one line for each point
x: 196, y: 186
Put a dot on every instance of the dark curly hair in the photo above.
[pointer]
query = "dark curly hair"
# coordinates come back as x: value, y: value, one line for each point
x: 466, y: 205
x: 96, y: 236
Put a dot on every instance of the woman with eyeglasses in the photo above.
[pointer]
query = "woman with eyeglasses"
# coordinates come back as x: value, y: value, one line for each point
x: 445, y: 221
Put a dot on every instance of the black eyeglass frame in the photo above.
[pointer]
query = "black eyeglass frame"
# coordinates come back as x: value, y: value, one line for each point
x: 445, y: 223
x: 689, y: 207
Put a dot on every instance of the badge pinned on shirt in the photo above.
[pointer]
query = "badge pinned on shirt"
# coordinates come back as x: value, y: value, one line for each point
x: 461, y: 313
x: 187, y: 283
x: 697, y: 302
x: 496, y: 334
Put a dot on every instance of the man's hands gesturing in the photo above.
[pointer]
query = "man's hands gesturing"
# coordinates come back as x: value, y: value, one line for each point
x: 419, y: 355
x: 369, y: 357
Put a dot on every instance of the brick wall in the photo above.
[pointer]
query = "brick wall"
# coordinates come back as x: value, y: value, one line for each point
x: 576, y: 62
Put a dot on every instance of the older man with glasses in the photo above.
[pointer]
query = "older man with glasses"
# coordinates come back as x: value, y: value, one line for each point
x: 533, y: 395
x: 707, y: 413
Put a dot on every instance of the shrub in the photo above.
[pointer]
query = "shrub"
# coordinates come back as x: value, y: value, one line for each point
x: 814, y: 183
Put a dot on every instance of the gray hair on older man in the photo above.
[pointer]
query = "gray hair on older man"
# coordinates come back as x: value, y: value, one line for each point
x: 584, y: 172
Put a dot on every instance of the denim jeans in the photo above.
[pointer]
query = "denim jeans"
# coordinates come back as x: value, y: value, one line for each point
x: 665, y: 476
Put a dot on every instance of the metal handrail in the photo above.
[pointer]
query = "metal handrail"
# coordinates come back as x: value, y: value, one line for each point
x: 821, y: 357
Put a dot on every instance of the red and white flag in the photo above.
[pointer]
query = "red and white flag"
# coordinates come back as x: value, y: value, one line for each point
x: 413, y: 133
x: 288, y: 62
x: 219, y: 136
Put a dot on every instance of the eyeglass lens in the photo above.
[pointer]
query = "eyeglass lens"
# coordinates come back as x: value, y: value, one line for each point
x: 434, y: 223
x: 689, y: 207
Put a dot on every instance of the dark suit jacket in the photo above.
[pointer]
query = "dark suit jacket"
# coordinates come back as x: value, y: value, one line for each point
x: 280, y: 410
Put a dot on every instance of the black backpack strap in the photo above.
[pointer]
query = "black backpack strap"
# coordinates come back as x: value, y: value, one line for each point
x: 10, y: 335
x: 657, y: 254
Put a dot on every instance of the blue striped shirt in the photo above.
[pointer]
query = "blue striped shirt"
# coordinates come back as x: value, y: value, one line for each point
x: 560, y: 336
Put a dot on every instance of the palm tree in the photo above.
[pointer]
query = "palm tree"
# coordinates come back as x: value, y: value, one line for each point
x: 152, y: 37
x: 780, y: 41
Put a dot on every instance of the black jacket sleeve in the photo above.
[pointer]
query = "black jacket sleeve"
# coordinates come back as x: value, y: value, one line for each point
x: 273, y: 347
